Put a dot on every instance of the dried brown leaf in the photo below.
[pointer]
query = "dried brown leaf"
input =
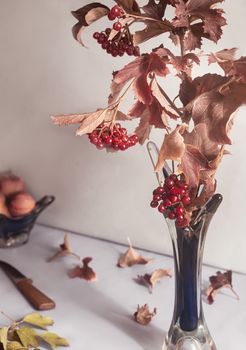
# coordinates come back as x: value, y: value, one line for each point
x: 86, y: 15
x: 150, y: 280
x: 143, y: 315
x: 131, y: 257
x: 85, y: 271
x: 173, y: 147
x: 65, y: 250
x: 217, y: 282
x: 155, y: 10
x: 128, y: 5
x: 144, y: 128
x: 152, y: 29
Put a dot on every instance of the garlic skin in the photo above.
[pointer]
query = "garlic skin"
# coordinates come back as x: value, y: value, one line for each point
x: 20, y: 204
x: 10, y: 184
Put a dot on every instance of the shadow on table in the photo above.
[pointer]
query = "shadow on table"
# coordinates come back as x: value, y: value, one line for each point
x: 148, y: 337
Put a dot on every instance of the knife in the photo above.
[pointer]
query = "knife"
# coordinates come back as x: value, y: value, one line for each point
x: 33, y: 295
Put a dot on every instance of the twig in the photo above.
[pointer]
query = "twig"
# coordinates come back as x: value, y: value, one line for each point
x: 171, y: 103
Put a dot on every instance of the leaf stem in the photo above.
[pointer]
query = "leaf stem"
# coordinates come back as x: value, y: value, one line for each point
x: 171, y: 103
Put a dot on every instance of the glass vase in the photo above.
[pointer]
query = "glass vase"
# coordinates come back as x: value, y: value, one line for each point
x: 188, y: 330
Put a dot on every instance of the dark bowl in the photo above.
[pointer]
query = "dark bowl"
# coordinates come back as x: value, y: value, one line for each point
x: 16, y: 231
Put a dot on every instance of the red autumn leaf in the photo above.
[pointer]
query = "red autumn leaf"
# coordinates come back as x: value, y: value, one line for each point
x: 217, y: 282
x: 151, y: 30
x: 131, y: 257
x: 190, y: 89
x: 85, y: 271
x: 86, y: 15
x: 65, y: 250
x: 88, y: 121
x: 143, y: 315
x: 192, y: 162
x: 199, y: 139
x: 138, y: 72
x: 128, y: 5
x: 173, y: 147
x: 217, y: 110
x: 201, y: 20
x: 150, y: 280
x: 144, y: 128
x: 155, y: 10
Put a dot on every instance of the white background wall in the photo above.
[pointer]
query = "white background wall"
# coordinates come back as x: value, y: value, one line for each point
x: 44, y: 71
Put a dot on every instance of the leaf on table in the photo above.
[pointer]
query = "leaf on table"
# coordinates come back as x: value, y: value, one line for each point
x: 4, y: 337
x: 27, y: 336
x: 86, y: 15
x: 84, y: 272
x: 173, y: 147
x: 131, y: 257
x: 65, y: 249
x: 53, y: 339
x: 38, y: 320
x: 15, y: 345
x: 143, y: 315
x: 150, y: 280
x: 217, y: 282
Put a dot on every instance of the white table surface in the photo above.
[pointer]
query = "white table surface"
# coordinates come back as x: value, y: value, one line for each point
x: 98, y: 315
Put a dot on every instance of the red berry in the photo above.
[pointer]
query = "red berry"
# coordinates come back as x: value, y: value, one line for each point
x: 108, y: 140
x: 154, y: 204
x: 123, y: 146
x: 114, y: 52
x: 173, y: 177
x: 124, y: 138
x: 180, y: 217
x: 96, y: 35
x: 162, y: 208
x: 116, y: 10
x: 156, y: 197
x: 100, y: 145
x: 169, y: 183
x: 182, y: 223
x: 108, y: 31
x: 111, y: 16
x: 105, y: 45
x: 186, y: 200
x: 173, y: 199
x: 174, y: 191
x: 117, y: 26
x: 121, y: 53
x: 179, y: 210
x: 171, y: 215
x: 167, y: 203
x: 102, y: 38
x: 129, y: 51
x: 159, y: 190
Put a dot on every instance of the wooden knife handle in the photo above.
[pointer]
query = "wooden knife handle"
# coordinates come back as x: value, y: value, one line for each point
x: 35, y: 297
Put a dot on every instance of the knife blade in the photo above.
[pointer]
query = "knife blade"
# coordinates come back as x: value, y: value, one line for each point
x: 33, y: 295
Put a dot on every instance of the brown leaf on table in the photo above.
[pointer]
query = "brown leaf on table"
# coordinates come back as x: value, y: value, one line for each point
x: 86, y: 15
x: 220, y: 280
x: 173, y: 147
x: 150, y: 280
x: 143, y: 315
x: 65, y: 250
x: 151, y: 30
x: 131, y: 257
x: 85, y: 271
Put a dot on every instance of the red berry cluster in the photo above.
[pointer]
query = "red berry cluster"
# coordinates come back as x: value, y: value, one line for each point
x: 114, y: 137
x: 171, y: 199
x: 122, y: 42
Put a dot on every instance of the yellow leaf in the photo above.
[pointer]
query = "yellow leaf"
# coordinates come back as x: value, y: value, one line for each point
x: 27, y: 337
x: 4, y: 337
x: 54, y: 340
x: 15, y: 345
x: 38, y: 320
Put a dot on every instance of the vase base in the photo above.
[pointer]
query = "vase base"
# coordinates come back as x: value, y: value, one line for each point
x: 199, y: 339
